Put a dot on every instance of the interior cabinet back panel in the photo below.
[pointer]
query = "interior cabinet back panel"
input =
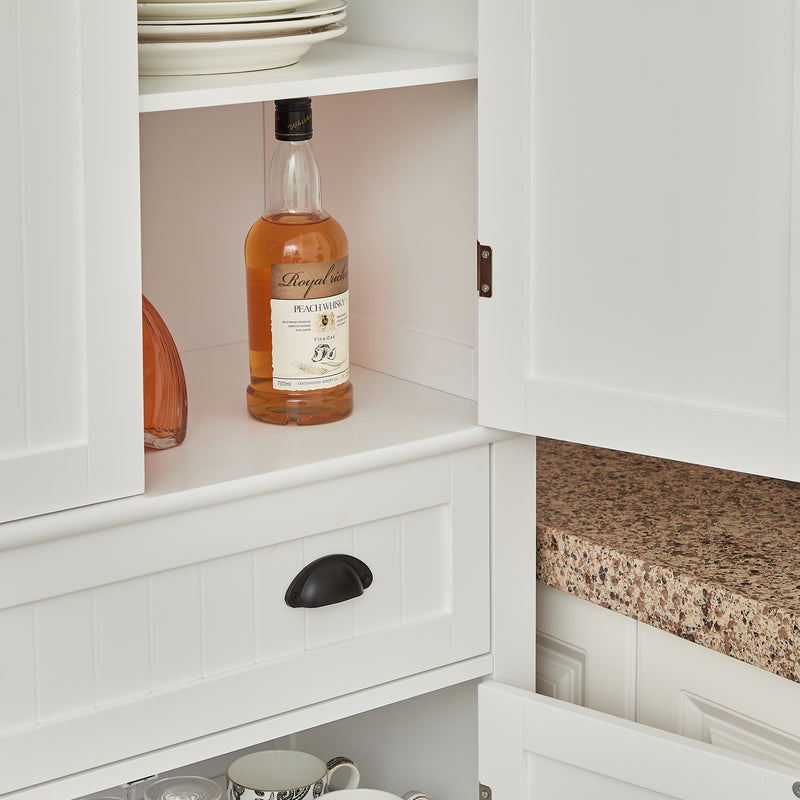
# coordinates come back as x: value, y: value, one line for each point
x: 202, y: 185
x: 398, y: 171
x: 210, y: 644
x: 447, y: 25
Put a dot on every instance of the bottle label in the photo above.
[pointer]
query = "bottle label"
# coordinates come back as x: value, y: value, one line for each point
x: 310, y: 320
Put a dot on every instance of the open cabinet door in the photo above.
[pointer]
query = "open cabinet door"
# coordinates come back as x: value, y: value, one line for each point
x: 637, y: 163
x: 536, y: 748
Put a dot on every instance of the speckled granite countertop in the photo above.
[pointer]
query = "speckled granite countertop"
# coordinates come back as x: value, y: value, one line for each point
x: 709, y: 555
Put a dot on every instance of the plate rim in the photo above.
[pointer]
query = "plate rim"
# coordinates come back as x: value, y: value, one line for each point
x: 181, y: 33
x: 325, y: 7
x: 312, y: 37
x: 193, y: 9
x: 226, y: 56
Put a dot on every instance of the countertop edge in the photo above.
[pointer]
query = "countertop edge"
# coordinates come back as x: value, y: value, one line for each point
x: 752, y: 631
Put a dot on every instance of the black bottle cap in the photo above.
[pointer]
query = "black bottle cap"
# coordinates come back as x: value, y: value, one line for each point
x: 293, y: 119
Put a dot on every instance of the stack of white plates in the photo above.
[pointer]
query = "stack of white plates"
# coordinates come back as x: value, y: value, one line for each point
x: 194, y: 37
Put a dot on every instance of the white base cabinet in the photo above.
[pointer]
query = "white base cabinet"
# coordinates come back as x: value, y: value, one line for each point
x: 467, y: 739
x: 183, y: 645
x: 534, y: 747
x: 638, y: 672
x: 585, y: 654
x: 703, y: 694
x: 428, y: 740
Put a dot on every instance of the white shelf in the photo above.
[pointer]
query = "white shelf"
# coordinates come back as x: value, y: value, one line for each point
x: 229, y: 455
x: 328, y: 68
x: 393, y: 421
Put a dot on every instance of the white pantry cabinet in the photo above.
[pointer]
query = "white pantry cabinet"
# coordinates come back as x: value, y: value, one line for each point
x: 594, y: 657
x: 641, y: 234
x: 137, y: 640
x: 535, y: 747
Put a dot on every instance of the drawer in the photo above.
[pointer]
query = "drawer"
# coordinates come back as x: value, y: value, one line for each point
x: 169, y: 629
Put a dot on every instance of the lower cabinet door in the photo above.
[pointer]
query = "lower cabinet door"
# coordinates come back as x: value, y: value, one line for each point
x: 535, y: 748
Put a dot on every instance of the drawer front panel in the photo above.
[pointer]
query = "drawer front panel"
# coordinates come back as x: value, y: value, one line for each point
x: 110, y: 555
x: 185, y: 651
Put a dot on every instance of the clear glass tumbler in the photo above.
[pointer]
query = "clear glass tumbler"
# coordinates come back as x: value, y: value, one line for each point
x: 183, y: 787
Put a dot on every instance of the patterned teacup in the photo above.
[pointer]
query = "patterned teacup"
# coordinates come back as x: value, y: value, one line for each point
x: 288, y: 774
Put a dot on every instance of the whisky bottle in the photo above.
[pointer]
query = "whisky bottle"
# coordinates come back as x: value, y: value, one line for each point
x: 165, y: 397
x: 297, y: 288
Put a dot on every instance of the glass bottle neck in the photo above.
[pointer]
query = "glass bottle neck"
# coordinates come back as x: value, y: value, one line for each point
x: 294, y: 180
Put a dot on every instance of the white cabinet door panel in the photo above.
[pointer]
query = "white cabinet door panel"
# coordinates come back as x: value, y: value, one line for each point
x: 70, y: 342
x: 703, y: 694
x: 585, y: 654
x: 643, y: 234
x: 536, y: 748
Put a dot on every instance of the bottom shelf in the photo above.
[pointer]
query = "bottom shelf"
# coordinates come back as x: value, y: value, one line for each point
x: 426, y: 742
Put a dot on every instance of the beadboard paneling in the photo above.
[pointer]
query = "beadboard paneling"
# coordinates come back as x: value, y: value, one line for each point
x: 202, y: 646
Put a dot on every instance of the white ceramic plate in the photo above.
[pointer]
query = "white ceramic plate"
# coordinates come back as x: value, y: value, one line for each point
x: 318, y: 8
x: 243, y: 30
x: 219, y: 8
x: 238, y: 55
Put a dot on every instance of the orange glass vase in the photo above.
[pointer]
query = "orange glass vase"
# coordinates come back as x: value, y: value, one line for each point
x: 165, y: 399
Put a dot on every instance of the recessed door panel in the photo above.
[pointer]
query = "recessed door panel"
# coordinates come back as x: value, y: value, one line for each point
x: 637, y: 198
x: 70, y: 341
x: 536, y: 747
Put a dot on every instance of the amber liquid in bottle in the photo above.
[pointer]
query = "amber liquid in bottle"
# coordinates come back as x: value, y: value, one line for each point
x: 287, y: 239
x: 297, y: 241
x: 165, y: 397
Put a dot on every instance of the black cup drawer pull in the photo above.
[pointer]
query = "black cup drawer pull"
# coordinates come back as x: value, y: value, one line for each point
x: 328, y: 580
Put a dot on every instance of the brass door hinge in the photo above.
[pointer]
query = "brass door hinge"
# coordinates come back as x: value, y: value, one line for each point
x: 484, y: 270
x: 484, y: 792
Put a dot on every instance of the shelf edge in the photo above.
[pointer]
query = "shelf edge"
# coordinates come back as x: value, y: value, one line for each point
x: 337, y: 67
